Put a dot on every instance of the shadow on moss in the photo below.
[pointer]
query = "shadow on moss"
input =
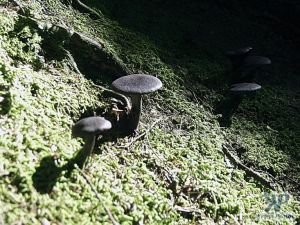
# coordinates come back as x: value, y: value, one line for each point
x: 47, y: 173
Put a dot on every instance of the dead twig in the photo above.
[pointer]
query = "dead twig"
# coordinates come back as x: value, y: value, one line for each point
x: 141, y: 135
x: 72, y: 60
x: 248, y: 170
x: 233, y: 218
x: 98, y: 14
x: 116, y: 95
x: 188, y: 212
x: 114, y: 222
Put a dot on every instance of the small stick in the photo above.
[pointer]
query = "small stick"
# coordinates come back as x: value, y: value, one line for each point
x: 89, y: 9
x: 141, y: 135
x: 248, y: 171
x: 117, y: 95
x: 188, y: 211
x: 114, y: 222
x: 74, y: 64
x: 232, y: 217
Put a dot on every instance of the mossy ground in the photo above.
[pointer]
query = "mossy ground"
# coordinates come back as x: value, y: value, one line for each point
x: 179, y: 164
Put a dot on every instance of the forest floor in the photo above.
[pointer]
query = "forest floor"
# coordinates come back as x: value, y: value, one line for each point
x: 55, y: 57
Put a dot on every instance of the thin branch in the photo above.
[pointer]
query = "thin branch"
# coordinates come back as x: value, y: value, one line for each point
x: 189, y: 212
x: 248, y: 170
x: 232, y: 217
x: 72, y: 60
x: 116, y: 95
x: 141, y: 135
x: 89, y: 9
x: 114, y: 222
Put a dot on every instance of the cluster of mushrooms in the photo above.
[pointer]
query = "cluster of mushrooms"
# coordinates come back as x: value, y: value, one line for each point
x: 132, y: 86
x: 244, y: 68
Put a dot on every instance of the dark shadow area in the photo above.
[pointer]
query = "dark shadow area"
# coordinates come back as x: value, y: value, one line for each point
x: 93, y: 61
x: 119, y: 123
x: 5, y: 101
x: 227, y: 108
x: 91, y: 58
x: 200, y: 26
x: 182, y: 38
x: 48, y: 173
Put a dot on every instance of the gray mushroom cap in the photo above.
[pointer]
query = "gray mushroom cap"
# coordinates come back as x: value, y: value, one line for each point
x: 90, y: 126
x: 137, y: 84
x: 254, y: 60
x: 244, y: 87
x: 239, y: 52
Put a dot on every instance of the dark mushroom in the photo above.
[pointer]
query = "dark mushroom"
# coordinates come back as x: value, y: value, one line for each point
x: 239, y: 91
x: 135, y: 86
x: 242, y: 88
x: 238, y: 55
x: 253, y: 62
x: 88, y: 129
x: 247, y: 70
x: 231, y: 104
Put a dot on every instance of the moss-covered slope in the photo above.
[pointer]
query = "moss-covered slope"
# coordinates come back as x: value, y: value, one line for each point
x: 176, y: 174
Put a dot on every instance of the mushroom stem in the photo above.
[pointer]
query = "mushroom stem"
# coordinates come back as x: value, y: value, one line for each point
x: 228, y: 108
x: 90, y: 144
x: 88, y: 148
x: 135, y: 114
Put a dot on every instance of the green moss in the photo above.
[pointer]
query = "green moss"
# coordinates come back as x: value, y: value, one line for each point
x: 178, y: 164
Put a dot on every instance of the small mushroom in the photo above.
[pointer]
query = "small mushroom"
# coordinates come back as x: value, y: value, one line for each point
x: 244, y: 88
x: 88, y: 129
x: 238, y: 55
x: 253, y: 62
x: 247, y: 70
x: 231, y: 104
x: 135, y: 86
x: 239, y: 91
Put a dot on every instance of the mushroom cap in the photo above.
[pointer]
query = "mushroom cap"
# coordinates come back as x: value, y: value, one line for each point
x: 239, y: 52
x: 137, y: 84
x: 90, y: 126
x: 255, y: 60
x: 244, y: 87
